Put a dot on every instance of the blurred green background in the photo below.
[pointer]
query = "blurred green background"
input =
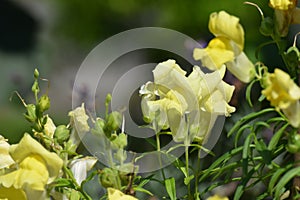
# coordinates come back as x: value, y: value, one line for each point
x: 56, y: 35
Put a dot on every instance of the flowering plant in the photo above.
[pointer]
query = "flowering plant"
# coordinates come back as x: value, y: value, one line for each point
x: 48, y: 163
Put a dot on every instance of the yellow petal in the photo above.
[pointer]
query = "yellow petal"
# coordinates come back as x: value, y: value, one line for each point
x: 224, y: 25
x: 218, y: 52
x: 217, y: 197
x: 6, y: 159
x: 114, y: 194
x: 293, y: 114
x: 32, y: 174
x: 49, y: 127
x: 12, y: 194
x: 28, y: 147
x: 283, y: 4
x: 242, y: 68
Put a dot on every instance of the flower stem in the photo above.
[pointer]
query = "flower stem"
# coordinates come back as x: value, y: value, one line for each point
x: 159, y: 156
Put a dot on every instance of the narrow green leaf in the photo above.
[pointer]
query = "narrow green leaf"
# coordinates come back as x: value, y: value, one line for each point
x: 276, y: 137
x: 248, y: 118
x: 224, y: 158
x: 248, y: 92
x: 240, y: 132
x: 285, y: 179
x: 140, y: 189
x: 240, y: 189
x: 246, y: 149
x: 170, y: 187
x: 181, y: 166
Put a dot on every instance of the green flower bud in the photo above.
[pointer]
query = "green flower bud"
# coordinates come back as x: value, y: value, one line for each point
x: 36, y: 74
x: 109, y: 178
x: 61, y: 133
x: 120, y: 142
x: 44, y: 103
x: 113, y: 122
x: 266, y: 26
x: 30, y: 114
x: 35, y: 87
x: 293, y: 145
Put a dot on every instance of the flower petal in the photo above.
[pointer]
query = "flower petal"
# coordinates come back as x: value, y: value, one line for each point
x: 218, y: 52
x: 29, y: 146
x: 242, y: 68
x: 224, y: 25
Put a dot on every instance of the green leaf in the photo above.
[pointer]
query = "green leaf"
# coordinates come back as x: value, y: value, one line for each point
x: 264, y: 151
x: 170, y: 187
x: 247, y: 119
x: 181, y: 166
x: 224, y: 158
x: 188, y: 179
x: 275, y: 178
x: 140, y: 189
x: 276, y: 137
x: 285, y: 179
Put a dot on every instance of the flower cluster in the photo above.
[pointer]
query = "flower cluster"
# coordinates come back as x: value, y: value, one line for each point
x: 173, y: 97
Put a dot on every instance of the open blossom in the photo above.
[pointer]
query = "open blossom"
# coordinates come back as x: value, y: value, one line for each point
x: 172, y: 96
x: 36, y: 168
x: 284, y: 94
x: 114, y: 194
x: 6, y: 160
x: 227, y: 47
x: 286, y: 13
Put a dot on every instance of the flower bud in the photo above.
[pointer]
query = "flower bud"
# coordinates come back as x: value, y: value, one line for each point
x: 113, y: 122
x: 108, y: 178
x: 61, y: 133
x: 36, y: 74
x: 293, y: 145
x: 44, y: 103
x: 30, y: 114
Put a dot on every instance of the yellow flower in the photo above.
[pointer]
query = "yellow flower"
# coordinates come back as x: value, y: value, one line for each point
x: 114, y: 194
x: 12, y: 194
x: 6, y: 159
x: 224, y: 25
x: 36, y: 168
x: 286, y: 13
x: 283, y: 4
x: 172, y: 96
x: 226, y: 48
x: 284, y: 94
x: 217, y: 197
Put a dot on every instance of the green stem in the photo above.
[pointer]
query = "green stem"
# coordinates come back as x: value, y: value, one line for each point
x: 159, y: 156
x: 187, y: 169
x: 196, y: 175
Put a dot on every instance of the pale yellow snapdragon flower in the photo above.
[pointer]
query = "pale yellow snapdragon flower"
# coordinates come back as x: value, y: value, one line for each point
x: 227, y: 47
x: 114, y: 194
x: 36, y: 167
x: 6, y: 160
x: 172, y: 95
x: 286, y: 13
x: 284, y: 94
